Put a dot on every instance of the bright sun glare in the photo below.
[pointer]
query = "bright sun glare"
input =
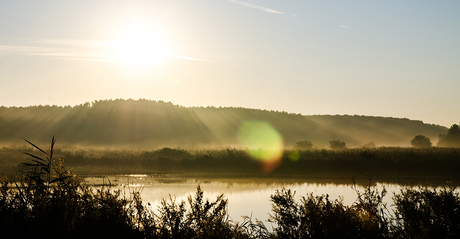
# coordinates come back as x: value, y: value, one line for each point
x: 140, y: 47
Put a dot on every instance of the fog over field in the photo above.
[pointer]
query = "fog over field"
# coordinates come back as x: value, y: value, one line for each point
x: 154, y: 124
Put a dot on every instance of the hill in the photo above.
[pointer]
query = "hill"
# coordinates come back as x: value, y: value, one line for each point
x: 154, y: 124
x: 114, y: 123
x: 355, y: 130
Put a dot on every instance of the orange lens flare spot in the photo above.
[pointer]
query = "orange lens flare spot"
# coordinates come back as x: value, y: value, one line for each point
x: 263, y: 142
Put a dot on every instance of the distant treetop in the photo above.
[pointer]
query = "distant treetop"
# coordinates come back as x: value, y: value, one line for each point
x: 337, y: 145
x: 451, y: 139
x: 303, y: 145
x: 421, y: 141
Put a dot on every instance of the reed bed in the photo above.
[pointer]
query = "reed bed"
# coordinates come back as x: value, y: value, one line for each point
x: 389, y: 162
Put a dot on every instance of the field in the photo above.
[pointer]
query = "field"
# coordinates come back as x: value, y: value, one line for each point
x: 383, y: 162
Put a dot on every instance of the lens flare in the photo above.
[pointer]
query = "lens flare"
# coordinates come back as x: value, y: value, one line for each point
x: 263, y: 142
x: 294, y: 156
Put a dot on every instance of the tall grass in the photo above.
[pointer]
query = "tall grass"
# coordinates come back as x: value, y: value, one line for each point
x: 381, y: 162
x: 48, y: 200
x: 390, y: 162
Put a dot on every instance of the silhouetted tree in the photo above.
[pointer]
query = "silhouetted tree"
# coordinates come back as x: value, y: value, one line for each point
x: 302, y: 145
x: 451, y: 139
x: 337, y: 144
x: 421, y: 141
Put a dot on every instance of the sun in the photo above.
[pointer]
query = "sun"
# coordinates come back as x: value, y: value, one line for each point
x: 140, y: 47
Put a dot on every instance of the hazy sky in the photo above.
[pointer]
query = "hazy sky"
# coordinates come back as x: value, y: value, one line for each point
x: 383, y: 58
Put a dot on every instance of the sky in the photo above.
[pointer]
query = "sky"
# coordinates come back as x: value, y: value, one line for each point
x: 379, y: 58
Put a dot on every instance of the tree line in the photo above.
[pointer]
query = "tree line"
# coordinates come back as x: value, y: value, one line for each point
x: 151, y: 124
x: 450, y: 139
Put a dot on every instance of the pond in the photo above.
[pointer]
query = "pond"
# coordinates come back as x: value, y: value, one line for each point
x: 247, y: 196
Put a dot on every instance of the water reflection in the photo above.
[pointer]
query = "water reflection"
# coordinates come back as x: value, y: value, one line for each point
x: 249, y: 196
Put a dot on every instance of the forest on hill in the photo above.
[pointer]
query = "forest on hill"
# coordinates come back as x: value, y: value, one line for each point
x: 156, y: 124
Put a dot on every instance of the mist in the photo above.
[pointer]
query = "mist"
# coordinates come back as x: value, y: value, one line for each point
x: 148, y: 124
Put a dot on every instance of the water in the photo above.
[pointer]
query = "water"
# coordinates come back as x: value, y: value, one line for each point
x: 246, y: 197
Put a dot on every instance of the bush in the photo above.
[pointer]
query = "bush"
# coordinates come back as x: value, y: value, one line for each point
x: 421, y: 213
x: 320, y: 217
x: 337, y: 145
x: 421, y: 141
x: 303, y: 145
x: 425, y: 213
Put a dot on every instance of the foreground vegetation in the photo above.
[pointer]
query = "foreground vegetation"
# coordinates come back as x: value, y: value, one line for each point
x: 46, y: 199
